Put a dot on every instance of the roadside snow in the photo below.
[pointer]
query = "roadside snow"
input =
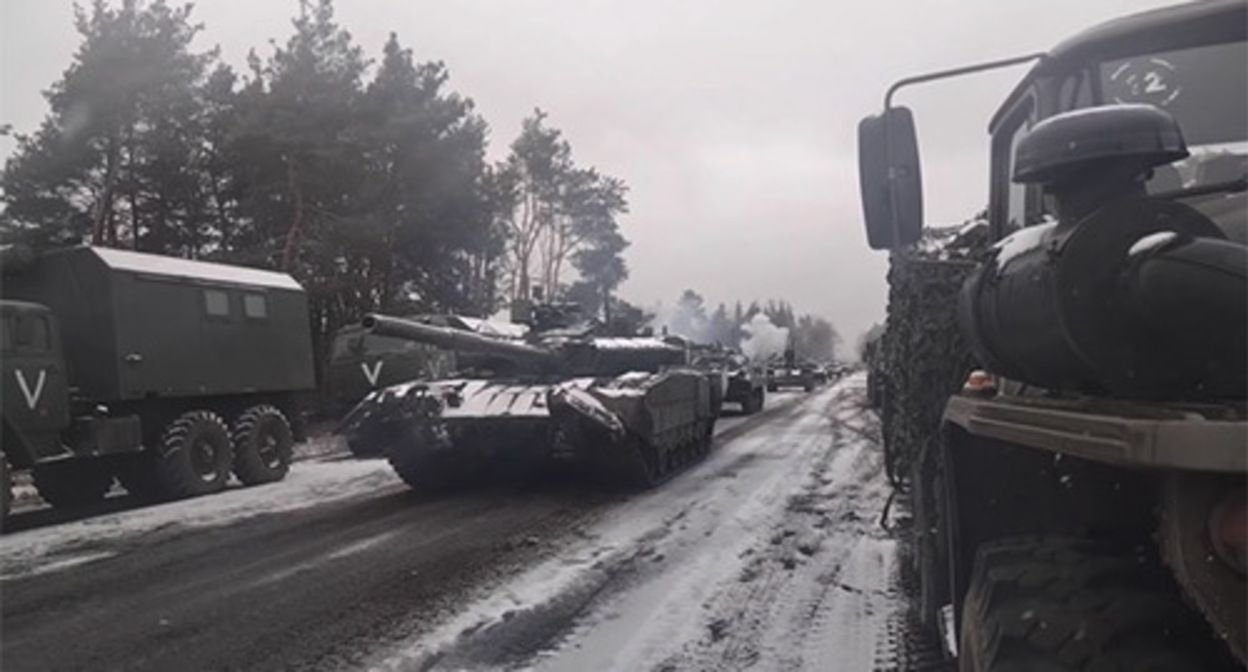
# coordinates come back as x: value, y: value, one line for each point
x: 308, y: 484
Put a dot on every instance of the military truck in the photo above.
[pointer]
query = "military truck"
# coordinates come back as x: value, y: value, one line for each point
x: 1081, y: 503
x: 166, y: 373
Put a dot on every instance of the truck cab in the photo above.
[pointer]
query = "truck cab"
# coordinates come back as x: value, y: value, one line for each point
x: 36, y: 398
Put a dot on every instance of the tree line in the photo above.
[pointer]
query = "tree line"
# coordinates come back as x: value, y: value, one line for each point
x: 367, y: 180
x: 811, y: 336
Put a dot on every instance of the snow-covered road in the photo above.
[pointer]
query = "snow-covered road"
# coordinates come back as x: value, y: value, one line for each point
x: 766, y: 555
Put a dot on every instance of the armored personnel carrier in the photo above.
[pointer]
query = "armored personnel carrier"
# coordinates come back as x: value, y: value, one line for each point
x: 629, y: 407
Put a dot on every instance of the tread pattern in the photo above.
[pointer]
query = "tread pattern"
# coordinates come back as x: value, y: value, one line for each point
x: 251, y: 465
x: 174, y: 469
x: 1071, y: 605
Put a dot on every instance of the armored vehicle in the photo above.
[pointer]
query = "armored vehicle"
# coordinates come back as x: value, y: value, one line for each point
x: 745, y: 383
x: 628, y: 406
x: 787, y: 371
x: 1081, y: 503
x: 167, y: 373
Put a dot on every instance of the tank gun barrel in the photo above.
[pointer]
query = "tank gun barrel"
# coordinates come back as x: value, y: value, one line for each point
x: 453, y: 339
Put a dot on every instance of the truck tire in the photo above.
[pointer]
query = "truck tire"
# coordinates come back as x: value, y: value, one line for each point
x: 194, y: 457
x: 1061, y: 604
x: 263, y: 442
x: 6, y: 491
x: 73, y: 482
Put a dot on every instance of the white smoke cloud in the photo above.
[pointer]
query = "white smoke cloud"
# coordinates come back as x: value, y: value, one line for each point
x: 762, y: 338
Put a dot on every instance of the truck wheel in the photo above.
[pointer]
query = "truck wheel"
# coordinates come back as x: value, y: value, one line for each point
x: 1059, y: 604
x: 6, y: 491
x: 73, y: 482
x: 194, y: 456
x: 262, y: 445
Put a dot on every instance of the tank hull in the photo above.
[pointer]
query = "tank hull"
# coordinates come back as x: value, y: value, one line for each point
x: 636, y: 428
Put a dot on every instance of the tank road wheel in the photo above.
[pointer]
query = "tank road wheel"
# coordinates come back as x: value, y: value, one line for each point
x: 73, y: 482
x: 262, y: 445
x: 1056, y: 604
x: 194, y: 456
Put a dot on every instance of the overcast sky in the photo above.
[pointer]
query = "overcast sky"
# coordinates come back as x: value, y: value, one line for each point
x: 733, y: 121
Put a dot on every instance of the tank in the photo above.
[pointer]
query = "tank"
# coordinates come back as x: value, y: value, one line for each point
x: 629, y: 408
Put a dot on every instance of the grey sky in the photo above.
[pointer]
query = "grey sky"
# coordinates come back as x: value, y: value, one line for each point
x: 734, y: 122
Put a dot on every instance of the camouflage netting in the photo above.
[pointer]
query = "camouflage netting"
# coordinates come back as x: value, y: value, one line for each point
x: 922, y: 357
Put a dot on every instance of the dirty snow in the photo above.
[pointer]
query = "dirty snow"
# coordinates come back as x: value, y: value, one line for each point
x: 766, y: 555
x: 309, y: 483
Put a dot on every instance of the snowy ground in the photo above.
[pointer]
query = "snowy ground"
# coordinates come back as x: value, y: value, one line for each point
x: 56, y: 547
x: 768, y: 556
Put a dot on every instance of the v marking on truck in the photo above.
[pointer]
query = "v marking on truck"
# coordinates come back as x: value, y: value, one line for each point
x: 32, y: 398
x: 372, y: 374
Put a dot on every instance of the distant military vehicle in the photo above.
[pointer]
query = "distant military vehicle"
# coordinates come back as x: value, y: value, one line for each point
x: 1081, y: 504
x: 169, y: 374
x: 744, y: 382
x: 629, y: 406
x: 789, y: 371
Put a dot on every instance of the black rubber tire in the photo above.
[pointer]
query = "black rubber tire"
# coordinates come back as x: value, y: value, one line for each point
x: 263, y: 445
x: 73, y: 482
x: 194, y: 457
x: 1063, y: 605
x: 6, y: 491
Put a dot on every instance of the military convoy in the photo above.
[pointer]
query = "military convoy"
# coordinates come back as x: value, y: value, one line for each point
x: 164, y: 373
x: 1081, y: 505
x: 629, y: 407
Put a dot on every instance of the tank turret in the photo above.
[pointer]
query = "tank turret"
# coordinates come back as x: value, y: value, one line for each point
x: 571, y: 351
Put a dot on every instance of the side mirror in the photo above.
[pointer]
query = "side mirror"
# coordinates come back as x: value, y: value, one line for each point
x: 890, y: 179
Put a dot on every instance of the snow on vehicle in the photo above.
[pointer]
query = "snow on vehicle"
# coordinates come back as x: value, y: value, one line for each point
x: 629, y: 406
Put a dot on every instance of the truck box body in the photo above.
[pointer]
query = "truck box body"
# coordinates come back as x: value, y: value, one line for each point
x: 138, y: 326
